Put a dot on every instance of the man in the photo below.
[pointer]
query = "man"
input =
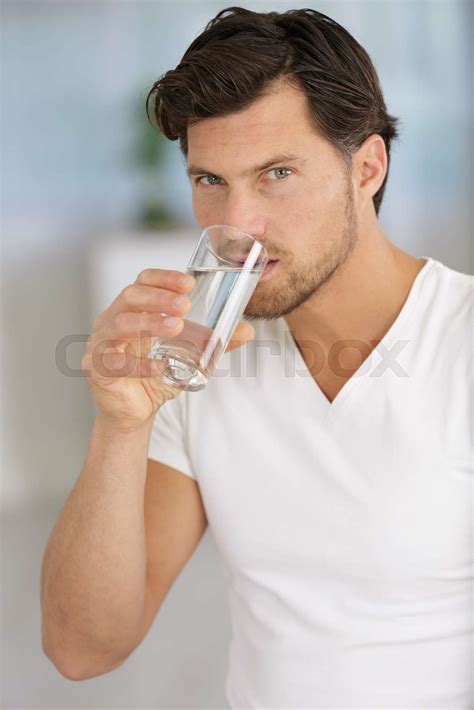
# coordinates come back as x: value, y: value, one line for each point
x: 332, y: 456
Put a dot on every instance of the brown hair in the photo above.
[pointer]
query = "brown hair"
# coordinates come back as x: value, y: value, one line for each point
x: 240, y: 52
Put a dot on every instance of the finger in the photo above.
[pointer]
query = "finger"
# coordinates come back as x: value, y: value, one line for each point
x: 139, y: 298
x: 243, y: 333
x: 128, y: 325
x: 172, y: 299
x: 113, y: 364
x: 167, y: 278
x: 141, y: 347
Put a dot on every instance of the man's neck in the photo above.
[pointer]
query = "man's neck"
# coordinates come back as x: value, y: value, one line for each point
x: 362, y: 298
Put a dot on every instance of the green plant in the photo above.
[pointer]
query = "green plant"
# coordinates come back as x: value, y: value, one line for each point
x: 149, y: 156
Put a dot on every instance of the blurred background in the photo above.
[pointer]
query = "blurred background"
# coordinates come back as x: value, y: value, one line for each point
x: 91, y: 195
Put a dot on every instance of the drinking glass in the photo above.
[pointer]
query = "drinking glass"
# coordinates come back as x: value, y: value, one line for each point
x: 227, y: 264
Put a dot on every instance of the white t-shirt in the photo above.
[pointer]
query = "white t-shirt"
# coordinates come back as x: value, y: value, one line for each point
x: 345, y: 528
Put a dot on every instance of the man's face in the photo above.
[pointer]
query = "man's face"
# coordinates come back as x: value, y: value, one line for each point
x: 300, y: 206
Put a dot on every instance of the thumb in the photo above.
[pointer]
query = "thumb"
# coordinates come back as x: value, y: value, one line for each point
x: 243, y: 333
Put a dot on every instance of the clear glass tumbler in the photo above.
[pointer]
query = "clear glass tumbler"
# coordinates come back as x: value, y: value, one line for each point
x: 227, y: 264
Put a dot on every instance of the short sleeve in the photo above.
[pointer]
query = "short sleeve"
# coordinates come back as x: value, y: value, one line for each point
x: 168, y: 436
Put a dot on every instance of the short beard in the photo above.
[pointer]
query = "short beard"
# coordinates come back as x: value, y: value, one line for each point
x: 302, y: 283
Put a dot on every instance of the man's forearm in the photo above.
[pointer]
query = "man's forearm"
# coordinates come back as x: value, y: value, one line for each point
x: 93, y: 574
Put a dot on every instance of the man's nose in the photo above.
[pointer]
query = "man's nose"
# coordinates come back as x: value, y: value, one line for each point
x: 245, y: 213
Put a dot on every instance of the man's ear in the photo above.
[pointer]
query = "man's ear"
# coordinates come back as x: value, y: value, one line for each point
x: 369, y: 164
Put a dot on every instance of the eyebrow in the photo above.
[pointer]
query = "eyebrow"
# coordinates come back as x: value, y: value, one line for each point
x: 285, y: 158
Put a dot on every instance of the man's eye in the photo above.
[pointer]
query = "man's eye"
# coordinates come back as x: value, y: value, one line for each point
x: 279, y: 171
x: 211, y: 179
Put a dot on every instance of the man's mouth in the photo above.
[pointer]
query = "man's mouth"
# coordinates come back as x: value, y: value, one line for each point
x: 269, y: 269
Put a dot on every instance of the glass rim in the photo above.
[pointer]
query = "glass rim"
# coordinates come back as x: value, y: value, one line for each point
x: 262, y: 253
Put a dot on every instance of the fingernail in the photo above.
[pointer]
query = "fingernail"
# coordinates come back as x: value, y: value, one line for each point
x: 187, y: 280
x: 180, y: 300
x: 171, y: 321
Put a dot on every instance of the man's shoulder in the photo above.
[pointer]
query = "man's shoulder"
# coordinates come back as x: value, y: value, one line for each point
x: 448, y: 309
x: 451, y: 291
x: 461, y: 281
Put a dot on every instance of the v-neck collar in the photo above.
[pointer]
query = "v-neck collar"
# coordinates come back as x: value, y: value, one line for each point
x: 294, y: 359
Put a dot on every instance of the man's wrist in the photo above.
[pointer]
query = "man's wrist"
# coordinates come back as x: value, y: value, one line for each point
x: 111, y: 428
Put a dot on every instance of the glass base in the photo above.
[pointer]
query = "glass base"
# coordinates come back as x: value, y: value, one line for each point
x: 180, y: 371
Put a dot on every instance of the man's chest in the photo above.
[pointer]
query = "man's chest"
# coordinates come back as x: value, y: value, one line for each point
x: 370, y: 497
